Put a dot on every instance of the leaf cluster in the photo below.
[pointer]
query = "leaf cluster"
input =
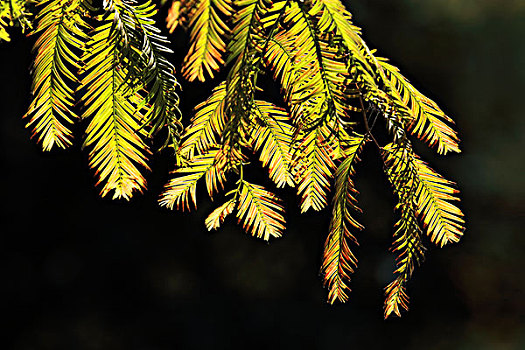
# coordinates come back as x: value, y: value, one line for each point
x: 105, y: 62
x: 15, y: 13
x: 105, y: 65
x: 332, y: 84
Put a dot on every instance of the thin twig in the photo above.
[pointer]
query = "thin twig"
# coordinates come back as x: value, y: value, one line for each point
x: 368, y: 131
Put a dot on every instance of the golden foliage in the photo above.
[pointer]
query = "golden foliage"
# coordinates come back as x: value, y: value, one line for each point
x: 314, y: 166
x: 216, y: 218
x: 112, y: 59
x: 423, y: 194
x: 151, y: 72
x: 338, y: 260
x: 429, y: 121
x: 334, y: 86
x: 180, y: 190
x: 207, y: 124
x: 396, y: 298
x: 442, y: 220
x: 116, y: 148
x: 407, y: 237
x: 14, y: 13
x: 271, y: 136
x: 260, y: 211
x: 206, y: 37
x: 178, y: 14
x: 51, y: 110
x: 4, y: 35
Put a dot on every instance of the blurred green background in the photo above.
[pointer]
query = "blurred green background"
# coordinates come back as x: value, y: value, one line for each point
x: 80, y: 272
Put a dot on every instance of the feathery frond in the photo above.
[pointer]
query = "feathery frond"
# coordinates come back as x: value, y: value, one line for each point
x: 117, y: 149
x: 57, y: 48
x: 442, y: 220
x: 280, y: 58
x: 208, y: 32
x: 244, y: 22
x: 272, y: 136
x: 207, y: 124
x: 310, y: 93
x: 338, y: 260
x: 148, y: 65
x: 314, y: 166
x: 216, y: 218
x: 333, y: 17
x: 396, y: 298
x: 179, y: 13
x: 429, y: 121
x: 399, y: 160
x: 257, y: 23
x: 180, y: 190
x: 260, y: 211
x: 317, y: 99
x: 112, y: 57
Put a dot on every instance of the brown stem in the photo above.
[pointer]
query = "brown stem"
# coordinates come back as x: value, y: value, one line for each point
x: 368, y: 131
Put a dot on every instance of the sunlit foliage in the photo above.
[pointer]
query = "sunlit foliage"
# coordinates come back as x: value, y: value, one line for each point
x: 333, y: 85
x: 110, y: 61
x: 104, y: 62
x: 14, y: 13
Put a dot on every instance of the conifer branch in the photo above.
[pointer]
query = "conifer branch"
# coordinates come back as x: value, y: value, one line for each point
x: 61, y: 37
x: 109, y: 60
x: 117, y: 150
x: 338, y: 260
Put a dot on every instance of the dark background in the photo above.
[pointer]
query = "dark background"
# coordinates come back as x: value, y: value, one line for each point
x: 80, y: 272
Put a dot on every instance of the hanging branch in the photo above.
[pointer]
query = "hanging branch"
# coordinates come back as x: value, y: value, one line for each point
x: 107, y: 63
